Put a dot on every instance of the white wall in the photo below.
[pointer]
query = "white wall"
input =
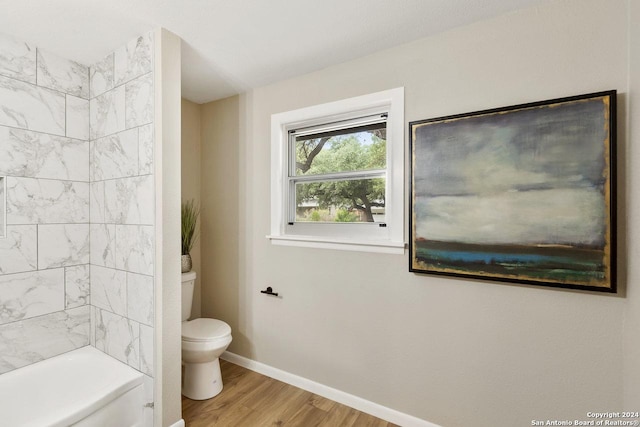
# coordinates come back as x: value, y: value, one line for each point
x: 631, y: 191
x: 222, y: 225
x: 191, y: 188
x: 167, y: 120
x: 450, y: 351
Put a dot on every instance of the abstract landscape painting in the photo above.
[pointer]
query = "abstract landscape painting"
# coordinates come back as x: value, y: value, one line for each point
x: 521, y: 194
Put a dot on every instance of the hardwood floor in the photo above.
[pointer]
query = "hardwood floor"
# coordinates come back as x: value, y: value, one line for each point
x: 249, y: 399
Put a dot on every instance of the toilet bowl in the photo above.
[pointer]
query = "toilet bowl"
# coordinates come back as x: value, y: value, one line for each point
x: 203, y: 341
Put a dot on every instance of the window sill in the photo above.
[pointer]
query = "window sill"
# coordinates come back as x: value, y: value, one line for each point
x: 385, y: 247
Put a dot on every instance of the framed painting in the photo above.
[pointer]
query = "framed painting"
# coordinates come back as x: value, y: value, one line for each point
x: 523, y: 194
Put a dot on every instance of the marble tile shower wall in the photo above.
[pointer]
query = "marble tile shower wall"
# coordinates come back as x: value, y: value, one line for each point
x: 77, y: 264
x: 44, y: 154
x: 122, y: 207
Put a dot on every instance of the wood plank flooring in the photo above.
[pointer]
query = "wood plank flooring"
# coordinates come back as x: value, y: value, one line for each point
x: 249, y: 399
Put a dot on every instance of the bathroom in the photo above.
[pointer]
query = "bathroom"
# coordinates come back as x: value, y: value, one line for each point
x: 94, y: 221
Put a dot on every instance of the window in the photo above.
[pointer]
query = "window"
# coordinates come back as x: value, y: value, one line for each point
x: 337, y: 174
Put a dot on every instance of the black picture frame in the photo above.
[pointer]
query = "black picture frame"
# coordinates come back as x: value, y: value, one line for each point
x: 521, y: 194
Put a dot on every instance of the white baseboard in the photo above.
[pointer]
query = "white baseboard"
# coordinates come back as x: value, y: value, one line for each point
x: 387, y: 414
x: 178, y: 423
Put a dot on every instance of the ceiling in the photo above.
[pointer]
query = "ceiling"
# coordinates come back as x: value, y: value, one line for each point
x: 231, y: 46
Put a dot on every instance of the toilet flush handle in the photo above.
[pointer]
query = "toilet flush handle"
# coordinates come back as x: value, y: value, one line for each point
x: 269, y: 291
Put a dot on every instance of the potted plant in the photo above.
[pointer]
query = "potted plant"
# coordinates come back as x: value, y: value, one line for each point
x: 190, y: 212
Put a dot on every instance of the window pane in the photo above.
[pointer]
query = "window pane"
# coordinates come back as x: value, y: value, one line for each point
x: 353, y: 149
x: 357, y: 200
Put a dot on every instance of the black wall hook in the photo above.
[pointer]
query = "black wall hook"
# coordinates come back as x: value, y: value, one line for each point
x: 269, y: 291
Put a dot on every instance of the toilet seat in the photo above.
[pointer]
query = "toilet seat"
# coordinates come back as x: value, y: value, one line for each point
x: 204, y: 329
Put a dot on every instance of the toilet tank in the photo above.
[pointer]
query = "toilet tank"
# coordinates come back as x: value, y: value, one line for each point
x: 188, y: 283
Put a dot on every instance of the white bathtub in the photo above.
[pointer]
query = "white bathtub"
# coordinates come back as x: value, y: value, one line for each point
x: 83, y: 388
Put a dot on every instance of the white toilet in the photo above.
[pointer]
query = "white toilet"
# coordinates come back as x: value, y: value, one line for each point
x: 203, y: 341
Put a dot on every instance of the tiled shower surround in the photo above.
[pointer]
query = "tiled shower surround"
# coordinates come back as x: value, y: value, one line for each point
x: 76, y: 147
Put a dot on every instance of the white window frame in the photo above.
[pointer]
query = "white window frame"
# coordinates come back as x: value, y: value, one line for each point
x: 367, y: 237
